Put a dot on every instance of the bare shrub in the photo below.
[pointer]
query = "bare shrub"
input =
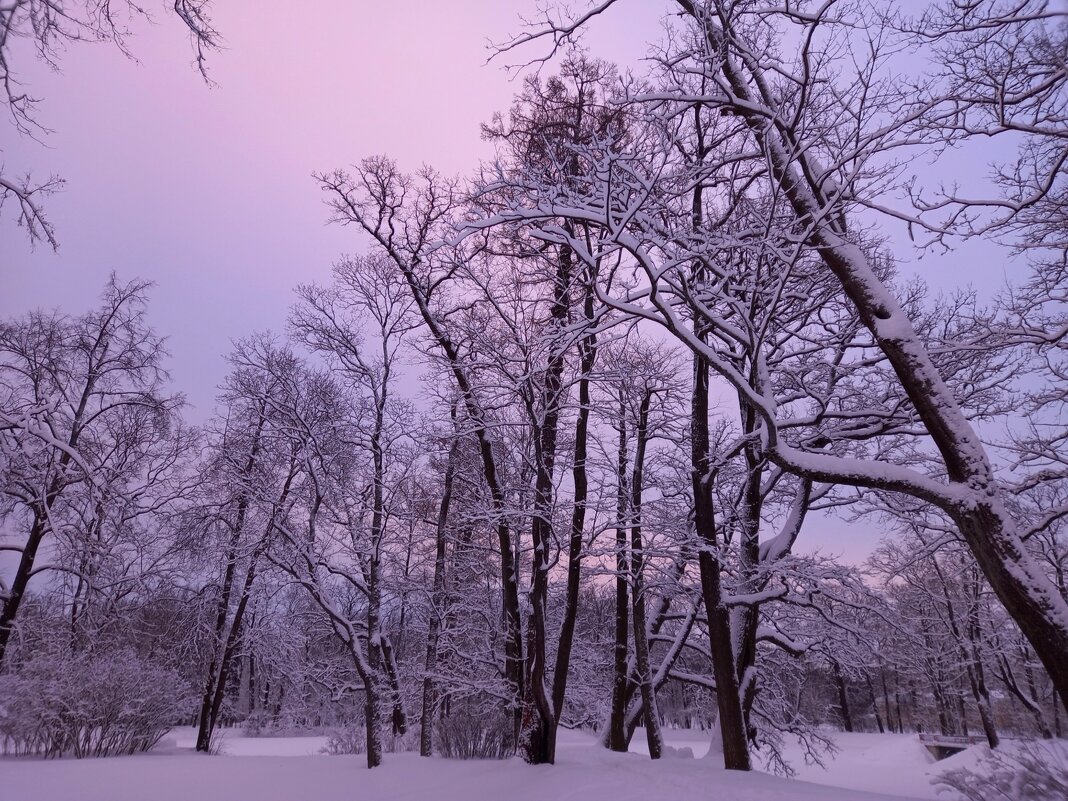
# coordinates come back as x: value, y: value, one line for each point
x: 346, y: 740
x: 469, y: 736
x: 88, y: 705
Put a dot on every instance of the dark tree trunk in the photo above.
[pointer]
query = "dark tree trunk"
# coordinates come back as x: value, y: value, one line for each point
x: 538, y: 740
x: 218, y: 657
x: 437, y: 612
x: 843, y: 696
x: 618, y: 738
x: 886, y: 703
x: 731, y: 715
x: 21, y: 581
x: 399, y: 717
x: 637, y: 565
x: 874, y: 704
x: 513, y: 649
x: 744, y: 619
x: 587, y: 358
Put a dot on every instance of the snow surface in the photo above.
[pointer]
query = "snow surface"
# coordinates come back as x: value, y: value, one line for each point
x: 868, y: 767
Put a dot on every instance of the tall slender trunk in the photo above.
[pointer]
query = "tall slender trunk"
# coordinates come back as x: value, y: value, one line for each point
x: 977, y: 676
x: 513, y: 648
x: 618, y: 739
x: 731, y: 716
x: 587, y: 358
x: 538, y: 741
x: 874, y: 704
x: 232, y: 640
x: 373, y: 675
x: 217, y: 682
x: 637, y: 566
x: 206, y: 723
x: 437, y: 602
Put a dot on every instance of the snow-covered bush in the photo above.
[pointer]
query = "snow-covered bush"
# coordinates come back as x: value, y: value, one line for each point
x: 475, y: 737
x: 346, y: 740
x: 88, y: 705
x: 1031, y: 771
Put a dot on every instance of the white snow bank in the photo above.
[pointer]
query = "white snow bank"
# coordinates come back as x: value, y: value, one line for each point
x: 233, y: 743
x: 584, y: 772
x: 895, y: 763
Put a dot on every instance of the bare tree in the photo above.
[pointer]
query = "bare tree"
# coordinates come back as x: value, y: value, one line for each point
x: 82, y: 399
x: 782, y: 133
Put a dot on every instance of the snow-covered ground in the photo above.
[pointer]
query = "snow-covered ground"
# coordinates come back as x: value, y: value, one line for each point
x: 867, y: 767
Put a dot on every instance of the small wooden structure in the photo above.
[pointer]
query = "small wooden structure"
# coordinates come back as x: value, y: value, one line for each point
x: 942, y: 746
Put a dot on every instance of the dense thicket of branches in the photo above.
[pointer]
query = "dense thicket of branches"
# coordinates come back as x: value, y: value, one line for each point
x: 543, y: 455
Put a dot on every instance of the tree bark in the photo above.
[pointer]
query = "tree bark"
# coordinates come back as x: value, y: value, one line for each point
x: 587, y: 358
x: 843, y: 696
x: 437, y: 601
x: 731, y: 716
x: 618, y: 739
x: 653, y: 735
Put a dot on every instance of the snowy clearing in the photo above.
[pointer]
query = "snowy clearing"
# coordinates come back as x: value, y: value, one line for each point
x: 868, y: 767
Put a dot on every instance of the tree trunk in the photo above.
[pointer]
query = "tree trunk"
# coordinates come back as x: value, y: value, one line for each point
x: 875, y: 705
x: 588, y: 355
x: 538, y: 741
x: 207, y: 724
x: 637, y: 565
x: 399, y: 717
x: 731, y: 716
x: 843, y: 697
x: 618, y: 739
x: 437, y: 612
x: 21, y: 581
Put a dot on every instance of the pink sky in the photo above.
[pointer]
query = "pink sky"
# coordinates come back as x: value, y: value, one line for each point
x: 207, y: 191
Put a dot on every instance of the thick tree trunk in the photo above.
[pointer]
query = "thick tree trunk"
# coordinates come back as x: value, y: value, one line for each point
x: 372, y: 718
x: 1018, y: 583
x: 372, y: 679
x: 744, y: 619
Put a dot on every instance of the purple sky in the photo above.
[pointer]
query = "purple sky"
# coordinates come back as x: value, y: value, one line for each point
x: 207, y: 191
